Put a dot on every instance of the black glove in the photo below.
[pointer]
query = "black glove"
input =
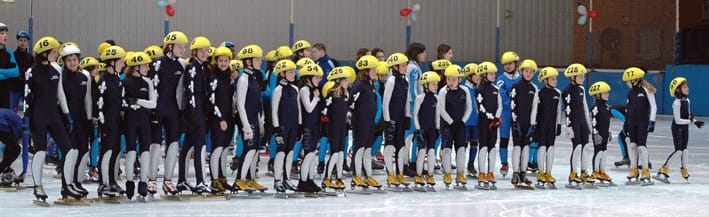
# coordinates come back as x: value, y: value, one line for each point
x: 558, y: 129
x: 132, y: 101
x: 517, y: 129
x: 699, y: 124
x: 597, y: 139
x: 651, y: 127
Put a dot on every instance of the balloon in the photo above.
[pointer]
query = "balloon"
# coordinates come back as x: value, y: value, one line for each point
x: 593, y: 14
x: 171, y: 1
x: 581, y: 9
x: 416, y: 7
x: 413, y: 16
x: 161, y: 3
x: 405, y: 12
x: 170, y: 10
x: 582, y: 19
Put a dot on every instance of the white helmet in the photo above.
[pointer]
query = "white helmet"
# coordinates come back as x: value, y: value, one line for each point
x: 69, y: 50
x: 3, y: 27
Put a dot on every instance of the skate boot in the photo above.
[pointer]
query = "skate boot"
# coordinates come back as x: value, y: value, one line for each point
x: 624, y: 161
x: 596, y: 175
x: 105, y: 190
x: 321, y: 167
x: 482, y: 182
x: 541, y: 180
x: 605, y: 179
x: 633, y: 177
x: 186, y: 186
x: 93, y: 175
x: 574, y: 180
x: 79, y: 188
x: 550, y: 180
x: 376, y: 165
x: 68, y: 191
x: 40, y: 196
x: 685, y: 173
x: 358, y: 182
x: 645, y: 177
x: 524, y: 181
x: 242, y: 185
x: 491, y: 180
x: 327, y: 183
x: 418, y: 180
x: 447, y: 179
x: 7, y: 177
x: 289, y: 186
x: 504, y: 170
x: 392, y: 180
x: 430, y: 180
x: 586, y: 177
x: 218, y: 186
x: 142, y: 190
x: 255, y: 185
x: 515, y: 179
x: 532, y: 167
x: 403, y: 180
x: 304, y: 187
x: 472, y: 172
x: 130, y: 189
x: 460, y: 181
x: 314, y: 186
x: 201, y: 188
x: 372, y: 182
x: 227, y: 187
x: 152, y: 187
x: 280, y: 189
x: 118, y: 189
x: 663, y: 175
x: 340, y: 184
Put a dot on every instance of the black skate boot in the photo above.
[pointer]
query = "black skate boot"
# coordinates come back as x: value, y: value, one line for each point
x: 117, y: 188
x: 40, y: 196
x: 130, y: 189
x: 321, y: 167
x: 623, y: 162
x: 81, y: 189
x: 185, y: 186
x: 68, y: 191
x: 142, y: 189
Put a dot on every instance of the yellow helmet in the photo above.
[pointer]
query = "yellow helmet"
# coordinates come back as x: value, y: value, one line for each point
x: 211, y: 51
x: 223, y: 51
x: 486, y: 67
x: 304, y: 61
x: 300, y: 44
x: 200, y: 42
x: 102, y: 47
x: 470, y: 69
x: 441, y: 64
x: 599, y: 88
x: 113, y: 52
x: 310, y: 70
x: 326, y: 87
x: 102, y: 67
x: 283, y: 65
x: 128, y: 55
x: 396, y: 59
x: 575, y: 70
x: 250, y: 51
x: 175, y: 37
x: 508, y: 57
x: 88, y: 62
x: 428, y: 77
x: 154, y: 51
x: 676, y: 83
x: 336, y: 73
x: 367, y: 62
x: 547, y: 72
x: 139, y: 58
x: 383, y: 68
x: 453, y: 71
x: 235, y: 65
x: 271, y: 56
x: 633, y: 73
x: 44, y: 44
x: 283, y: 52
x: 528, y: 64
x: 351, y: 75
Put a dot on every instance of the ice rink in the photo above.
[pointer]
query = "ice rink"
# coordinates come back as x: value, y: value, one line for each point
x: 676, y: 199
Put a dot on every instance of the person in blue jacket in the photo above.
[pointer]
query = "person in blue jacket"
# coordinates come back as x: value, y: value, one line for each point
x: 505, y: 81
x: 416, y: 52
x: 471, y: 82
x: 11, y: 131
x: 8, y: 68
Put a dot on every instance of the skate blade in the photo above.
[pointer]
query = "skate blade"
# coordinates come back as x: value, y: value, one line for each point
x: 602, y: 184
x: 379, y: 191
x: 661, y: 179
x: 8, y: 189
x: 524, y: 187
x: 72, y: 202
x: 590, y: 186
x: 540, y: 186
x: 648, y: 183
x: 209, y: 197
x: 420, y: 189
x: 311, y: 195
x: 551, y: 186
x: 170, y: 197
x: 632, y: 182
x: 363, y: 192
x: 482, y: 187
x: 394, y: 189
x: 571, y: 186
x: 461, y: 188
x: 430, y: 188
x: 40, y: 203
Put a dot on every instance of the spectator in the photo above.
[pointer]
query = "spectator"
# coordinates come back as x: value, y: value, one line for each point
x: 24, y: 61
x: 8, y: 68
x: 319, y: 53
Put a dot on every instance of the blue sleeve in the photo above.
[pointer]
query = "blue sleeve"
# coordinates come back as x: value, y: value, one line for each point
x: 378, y: 114
x: 618, y: 115
x: 10, y: 72
x: 504, y: 87
x: 413, y: 78
x: 271, y: 85
x: 473, y: 119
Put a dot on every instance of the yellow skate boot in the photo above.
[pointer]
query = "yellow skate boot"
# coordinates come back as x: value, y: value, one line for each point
x: 586, y: 178
x: 685, y: 173
x: 392, y: 179
x: 339, y: 184
x: 372, y: 182
x: 460, y: 179
x: 402, y: 179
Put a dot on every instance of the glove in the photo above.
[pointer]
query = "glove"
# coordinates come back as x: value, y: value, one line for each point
x: 651, y: 127
x: 94, y: 122
x: 495, y: 123
x: 131, y: 101
x: 570, y: 132
x: 407, y: 122
x: 699, y: 124
x: 324, y: 119
x: 419, y: 135
x: 558, y: 129
x: 279, y: 135
x: 70, y: 122
x: 597, y: 139
x: 517, y: 129
x: 530, y: 133
x: 248, y: 133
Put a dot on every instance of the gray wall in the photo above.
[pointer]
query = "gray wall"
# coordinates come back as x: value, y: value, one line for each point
x: 540, y: 29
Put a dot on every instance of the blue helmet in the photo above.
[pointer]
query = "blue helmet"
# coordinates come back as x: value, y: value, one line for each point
x: 24, y: 34
x: 228, y: 44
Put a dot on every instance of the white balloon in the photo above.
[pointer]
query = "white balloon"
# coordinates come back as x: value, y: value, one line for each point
x: 581, y: 9
x: 171, y: 1
x: 416, y: 7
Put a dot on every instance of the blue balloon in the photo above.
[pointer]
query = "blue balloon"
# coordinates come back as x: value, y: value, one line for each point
x: 582, y: 19
x: 413, y: 16
x: 161, y: 3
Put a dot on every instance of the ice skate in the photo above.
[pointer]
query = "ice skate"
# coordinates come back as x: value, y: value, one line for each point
x: 357, y: 181
x: 472, y: 172
x: 482, y: 182
x: 405, y: 182
x: 142, y: 191
x: 663, y: 175
x: 71, y: 197
x: 588, y: 180
x: 623, y: 162
x: 460, y: 182
x: 280, y: 190
x: 419, y: 184
x: 186, y: 186
x: 130, y: 189
x: 491, y: 181
x: 430, y: 182
x: 633, y: 177
x: 574, y: 181
x: 256, y: 186
x: 532, y: 168
x: 685, y: 174
x: 40, y: 196
x: 551, y: 181
x: 504, y: 170
x: 373, y: 183
x: 447, y: 180
x: 604, y: 180
x: 645, y: 179
x: 79, y: 188
x: 523, y: 182
x: 392, y: 180
x: 218, y: 186
x: 541, y: 180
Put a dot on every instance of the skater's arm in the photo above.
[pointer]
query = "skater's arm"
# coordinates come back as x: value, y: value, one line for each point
x: 653, y: 106
x: 88, y: 99
x: 152, y: 101
x: 12, y: 72
x: 513, y: 102
x: 61, y: 96
x: 241, y: 88
x: 212, y: 93
x: 28, y: 92
x: 468, y: 104
x: 585, y: 109
x: 676, y: 111
x: 180, y: 89
x: 499, y: 106
x: 535, y: 106
x: 308, y: 104
x: 298, y: 101
x: 275, y: 104
x: 442, y: 106
x: 417, y: 108
x: 559, y: 112
x: 386, y: 98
